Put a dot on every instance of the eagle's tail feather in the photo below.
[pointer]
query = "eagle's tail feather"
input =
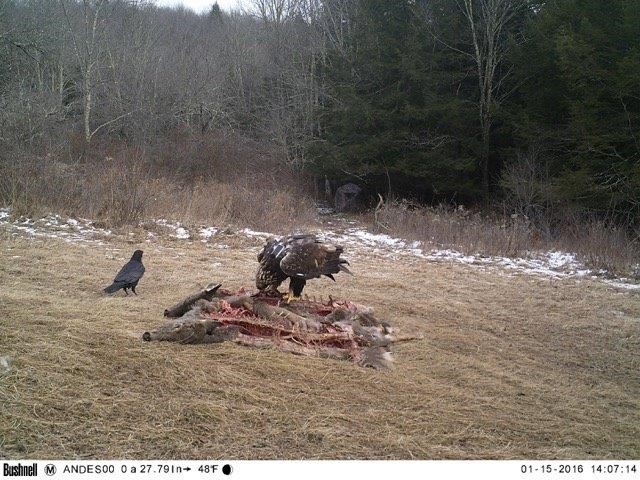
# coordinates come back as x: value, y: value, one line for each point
x: 331, y: 264
x: 345, y: 269
x: 335, y: 264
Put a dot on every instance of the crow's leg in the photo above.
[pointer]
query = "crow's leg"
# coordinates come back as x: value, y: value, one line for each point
x: 133, y: 289
x: 125, y: 291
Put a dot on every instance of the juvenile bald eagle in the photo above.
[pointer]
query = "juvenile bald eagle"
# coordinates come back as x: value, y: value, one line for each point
x: 299, y: 258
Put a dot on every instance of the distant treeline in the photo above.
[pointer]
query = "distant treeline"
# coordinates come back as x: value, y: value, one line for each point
x: 532, y: 103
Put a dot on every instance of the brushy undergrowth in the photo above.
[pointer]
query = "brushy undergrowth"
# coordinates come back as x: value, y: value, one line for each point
x: 603, y: 247
x: 228, y: 180
x: 202, y: 182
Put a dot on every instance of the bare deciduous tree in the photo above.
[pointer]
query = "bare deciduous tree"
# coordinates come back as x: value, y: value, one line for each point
x: 88, y: 40
x: 489, y: 24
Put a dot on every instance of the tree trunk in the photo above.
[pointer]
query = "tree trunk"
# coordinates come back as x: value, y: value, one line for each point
x: 87, y: 107
x: 485, y: 152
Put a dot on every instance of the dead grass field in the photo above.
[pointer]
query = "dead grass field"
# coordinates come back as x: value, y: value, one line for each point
x: 509, y: 367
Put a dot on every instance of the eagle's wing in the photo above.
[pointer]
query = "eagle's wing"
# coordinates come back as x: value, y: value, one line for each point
x: 266, y: 249
x: 310, y: 258
x: 275, y: 249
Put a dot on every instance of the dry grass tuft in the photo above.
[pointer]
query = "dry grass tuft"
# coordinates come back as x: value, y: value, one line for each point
x: 510, y: 367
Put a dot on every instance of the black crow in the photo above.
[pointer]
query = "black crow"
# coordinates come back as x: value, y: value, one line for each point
x: 129, y: 275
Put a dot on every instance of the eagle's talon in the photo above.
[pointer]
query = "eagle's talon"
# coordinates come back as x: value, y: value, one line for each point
x: 292, y: 298
x: 289, y: 297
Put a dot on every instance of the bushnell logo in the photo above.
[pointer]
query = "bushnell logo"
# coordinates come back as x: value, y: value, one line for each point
x: 20, y: 470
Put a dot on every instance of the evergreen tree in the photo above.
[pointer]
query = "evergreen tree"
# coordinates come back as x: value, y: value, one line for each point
x: 581, y: 94
x: 385, y: 119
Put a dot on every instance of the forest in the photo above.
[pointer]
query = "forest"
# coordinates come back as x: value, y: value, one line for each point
x: 510, y: 107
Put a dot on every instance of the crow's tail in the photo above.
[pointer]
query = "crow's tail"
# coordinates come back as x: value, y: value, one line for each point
x: 112, y: 288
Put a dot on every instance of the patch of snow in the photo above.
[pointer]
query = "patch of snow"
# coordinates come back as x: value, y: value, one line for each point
x: 53, y: 226
x: 561, y: 259
x: 440, y: 255
x: 207, y: 232
x: 182, y: 233
x: 179, y: 231
x: 623, y: 284
x: 27, y: 230
x: 252, y: 233
x: 377, y: 239
x: 555, y: 264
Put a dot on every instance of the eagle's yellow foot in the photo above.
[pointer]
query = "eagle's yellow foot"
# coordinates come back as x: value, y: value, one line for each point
x: 289, y: 297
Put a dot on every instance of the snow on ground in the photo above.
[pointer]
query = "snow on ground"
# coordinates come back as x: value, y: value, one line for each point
x: 357, y: 241
x: 179, y: 231
x: 252, y: 233
x: 55, y: 226
x: 622, y: 283
x: 551, y: 264
x: 207, y: 232
x: 5, y: 364
x: 325, y: 210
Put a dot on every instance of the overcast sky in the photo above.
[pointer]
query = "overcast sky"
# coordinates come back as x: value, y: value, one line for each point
x: 200, y: 6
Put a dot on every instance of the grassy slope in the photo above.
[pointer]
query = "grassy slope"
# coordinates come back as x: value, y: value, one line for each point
x: 509, y: 366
